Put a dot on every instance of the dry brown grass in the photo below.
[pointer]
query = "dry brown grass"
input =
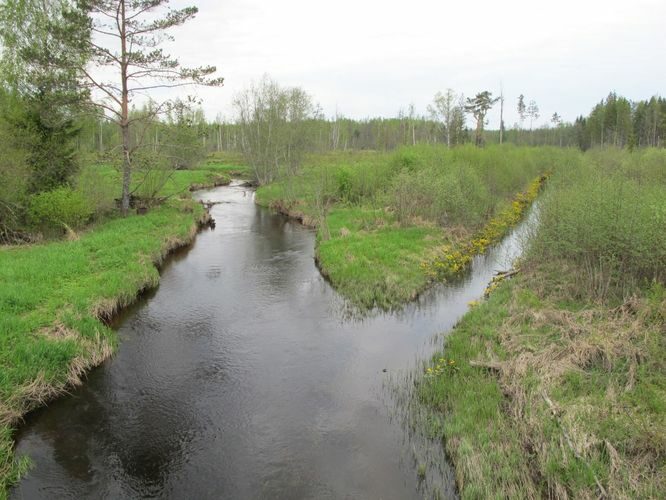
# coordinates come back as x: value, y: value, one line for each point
x: 544, y: 346
x: 39, y: 391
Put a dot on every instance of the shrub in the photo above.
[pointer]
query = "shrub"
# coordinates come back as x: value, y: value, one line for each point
x: 343, y: 179
x: 52, y: 210
x: 609, y: 218
x: 98, y: 185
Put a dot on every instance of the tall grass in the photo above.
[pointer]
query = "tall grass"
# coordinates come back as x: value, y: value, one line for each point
x: 560, y: 387
x: 379, y: 215
x: 608, y: 217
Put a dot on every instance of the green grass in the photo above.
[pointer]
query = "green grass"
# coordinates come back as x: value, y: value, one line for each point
x: 380, y: 215
x: 560, y: 389
x: 535, y: 410
x: 232, y: 170
x: 371, y: 260
x: 54, y: 296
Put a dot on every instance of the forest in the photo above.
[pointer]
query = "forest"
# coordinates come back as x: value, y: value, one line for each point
x: 550, y: 385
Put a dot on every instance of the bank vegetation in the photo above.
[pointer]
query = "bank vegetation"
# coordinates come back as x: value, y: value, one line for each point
x: 559, y: 387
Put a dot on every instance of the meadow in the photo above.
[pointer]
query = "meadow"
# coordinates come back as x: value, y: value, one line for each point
x: 558, y: 380
x: 387, y: 222
x: 57, y: 295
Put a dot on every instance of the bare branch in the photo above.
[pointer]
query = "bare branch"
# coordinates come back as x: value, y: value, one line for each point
x: 101, y: 87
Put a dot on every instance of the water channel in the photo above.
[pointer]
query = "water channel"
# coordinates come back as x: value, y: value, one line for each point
x: 244, y: 375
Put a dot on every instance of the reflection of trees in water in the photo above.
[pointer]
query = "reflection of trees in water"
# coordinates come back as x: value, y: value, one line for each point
x: 280, y: 241
x: 70, y: 426
x: 109, y: 433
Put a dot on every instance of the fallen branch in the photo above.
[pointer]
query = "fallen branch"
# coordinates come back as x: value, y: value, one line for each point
x: 490, y: 365
x: 507, y: 274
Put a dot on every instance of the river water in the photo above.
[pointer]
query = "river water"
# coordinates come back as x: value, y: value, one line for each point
x: 244, y: 375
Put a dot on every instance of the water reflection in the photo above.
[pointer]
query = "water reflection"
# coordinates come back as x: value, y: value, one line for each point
x: 243, y: 376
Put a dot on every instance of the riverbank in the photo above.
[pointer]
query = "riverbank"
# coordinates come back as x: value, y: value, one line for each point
x: 554, y: 386
x: 541, y: 396
x: 388, y: 226
x: 56, y: 298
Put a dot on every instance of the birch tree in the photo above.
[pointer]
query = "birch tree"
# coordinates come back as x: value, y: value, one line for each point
x: 273, y: 122
x: 443, y: 110
x: 533, y: 112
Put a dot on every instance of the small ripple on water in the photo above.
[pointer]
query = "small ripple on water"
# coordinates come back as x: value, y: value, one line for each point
x: 245, y: 375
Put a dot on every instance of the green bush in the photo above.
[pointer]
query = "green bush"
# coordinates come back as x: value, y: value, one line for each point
x: 466, y: 185
x: 52, y: 210
x: 343, y: 180
x: 99, y: 185
x: 609, y: 218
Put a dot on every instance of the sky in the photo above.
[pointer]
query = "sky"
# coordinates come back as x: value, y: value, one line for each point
x: 368, y: 58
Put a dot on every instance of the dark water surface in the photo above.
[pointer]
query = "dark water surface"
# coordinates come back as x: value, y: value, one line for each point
x: 244, y: 376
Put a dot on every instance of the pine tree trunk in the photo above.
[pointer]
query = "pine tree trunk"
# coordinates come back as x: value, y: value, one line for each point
x: 127, y: 170
x: 124, y: 118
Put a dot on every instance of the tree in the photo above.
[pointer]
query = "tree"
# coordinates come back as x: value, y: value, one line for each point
x: 501, y: 100
x: 272, y: 122
x: 126, y: 36
x: 556, y: 120
x: 522, y: 109
x: 532, y: 112
x: 43, y: 51
x: 478, y: 107
x: 444, y: 109
x: 411, y: 116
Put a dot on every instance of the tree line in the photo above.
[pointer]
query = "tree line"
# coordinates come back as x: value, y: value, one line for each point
x: 617, y: 121
x: 57, y: 115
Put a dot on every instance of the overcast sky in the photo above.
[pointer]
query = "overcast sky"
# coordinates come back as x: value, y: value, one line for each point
x: 367, y: 58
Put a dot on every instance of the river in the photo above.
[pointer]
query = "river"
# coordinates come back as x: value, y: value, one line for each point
x: 244, y: 375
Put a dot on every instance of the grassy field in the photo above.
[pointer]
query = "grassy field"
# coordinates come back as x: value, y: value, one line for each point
x: 388, y: 222
x: 55, y: 296
x: 556, y: 385
x: 101, y: 184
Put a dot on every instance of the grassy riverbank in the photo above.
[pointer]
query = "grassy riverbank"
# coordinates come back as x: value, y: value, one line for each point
x: 54, y: 296
x: 389, y: 223
x: 555, y: 386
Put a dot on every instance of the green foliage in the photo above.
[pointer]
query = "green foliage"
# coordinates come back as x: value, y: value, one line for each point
x: 343, y: 181
x: 53, y: 297
x: 51, y: 148
x: 61, y: 207
x: 380, y: 215
x: 45, y: 43
x: 465, y: 186
x: 609, y: 217
x: 616, y: 121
